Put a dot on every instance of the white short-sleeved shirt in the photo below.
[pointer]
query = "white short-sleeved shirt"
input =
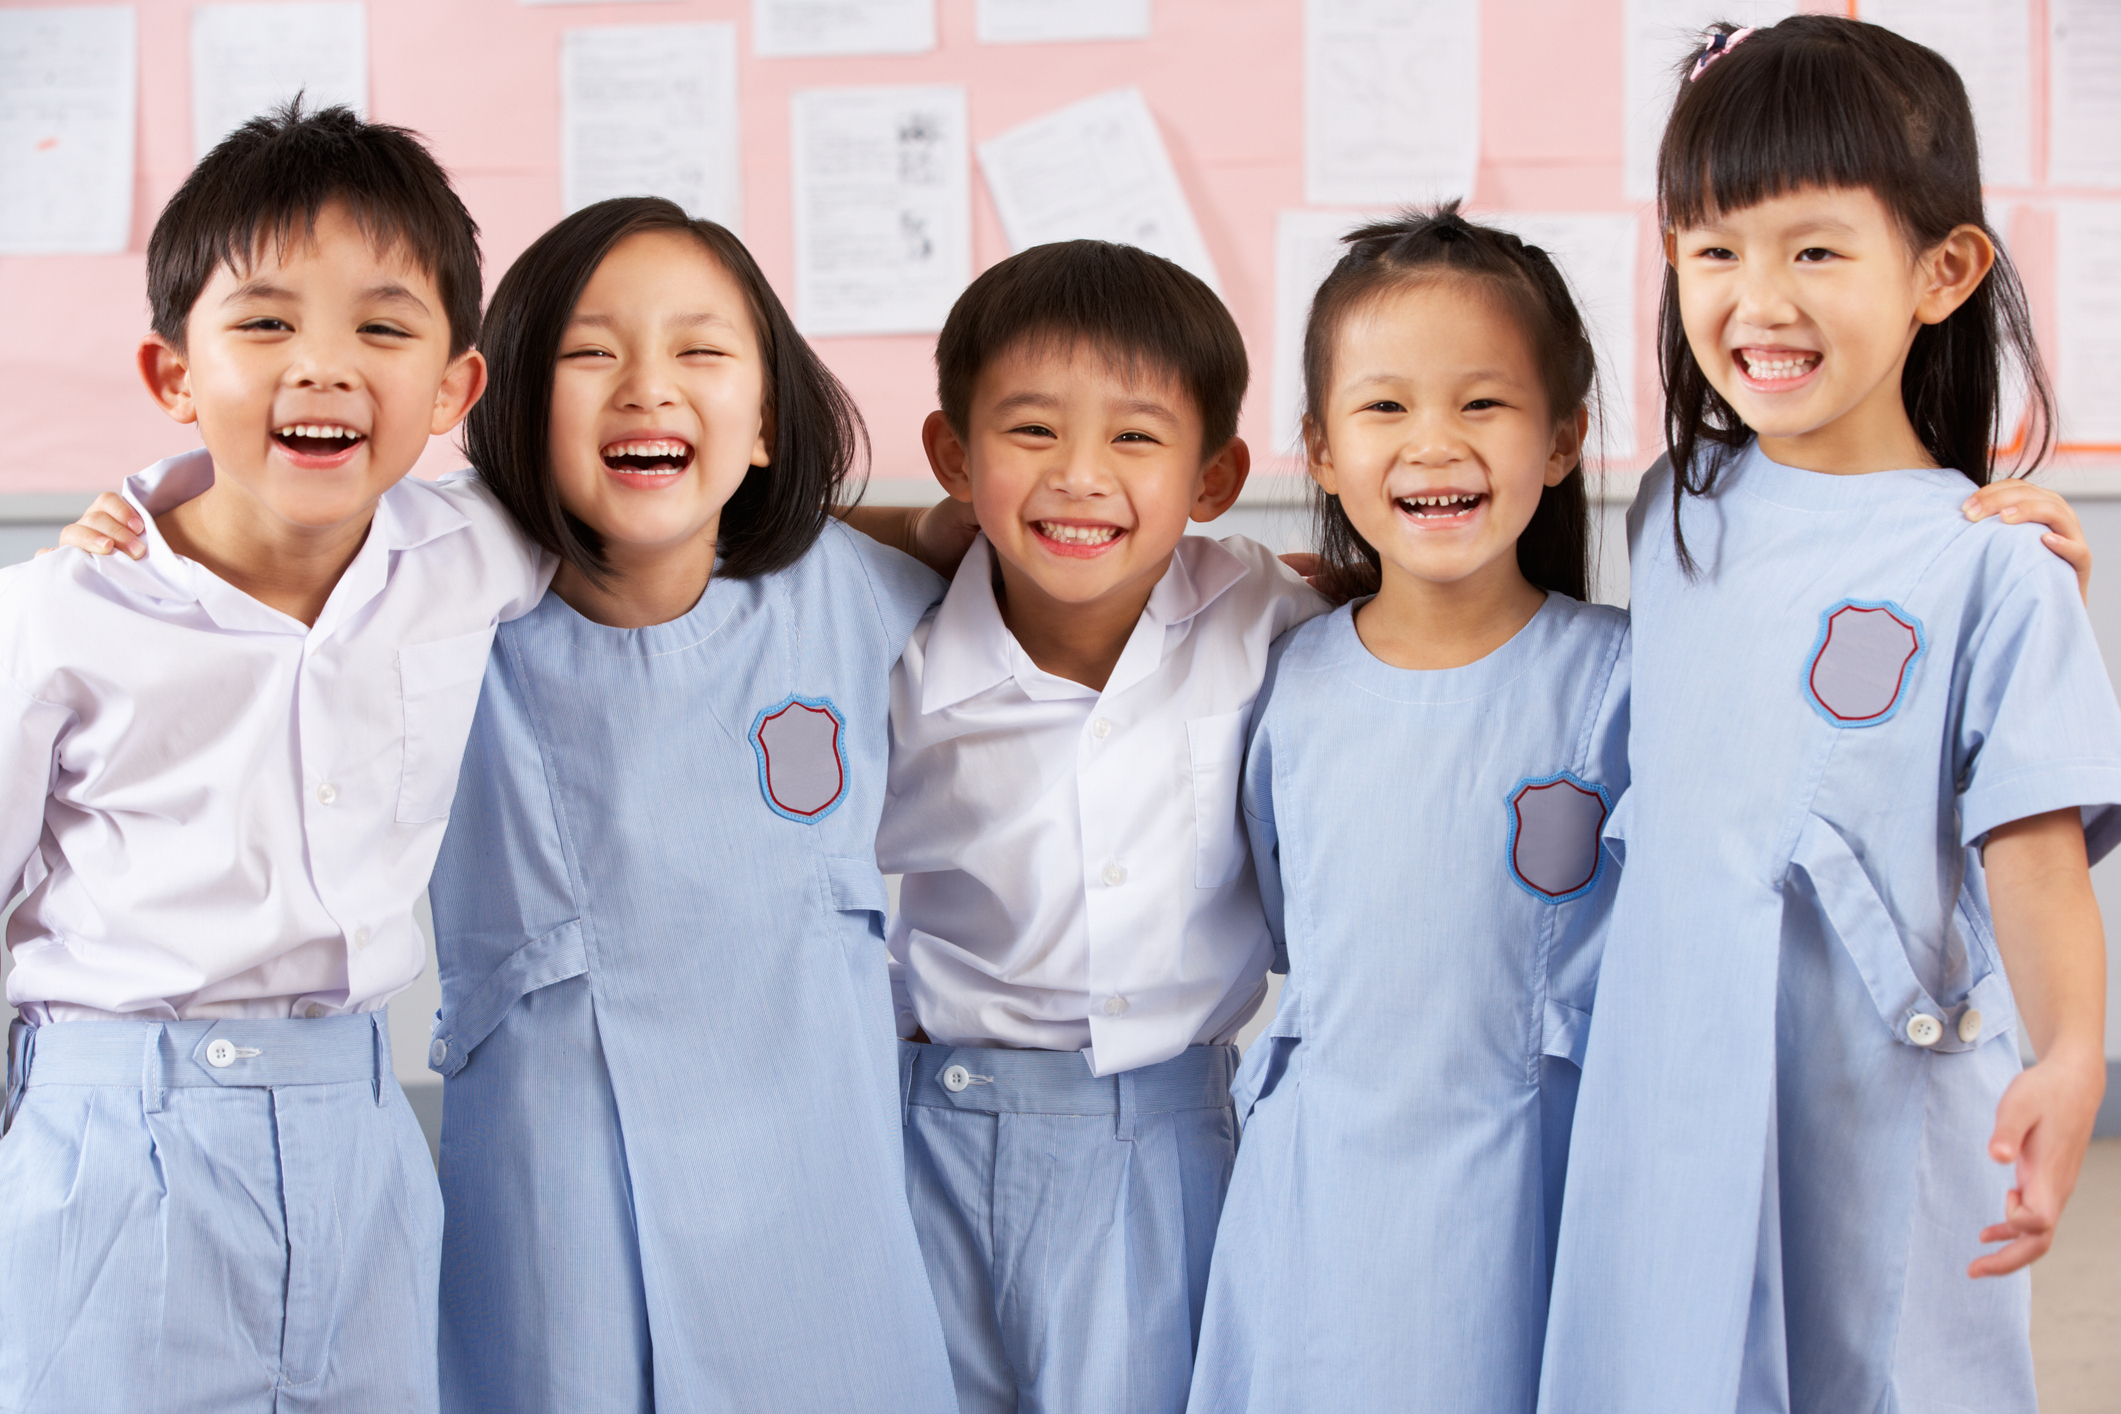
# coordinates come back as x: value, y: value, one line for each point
x: 216, y: 810
x: 1076, y: 873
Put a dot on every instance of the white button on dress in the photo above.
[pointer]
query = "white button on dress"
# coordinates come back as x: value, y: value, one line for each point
x: 1970, y: 1025
x: 1924, y: 1029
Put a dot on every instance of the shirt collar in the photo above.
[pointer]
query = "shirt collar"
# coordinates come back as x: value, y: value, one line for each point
x: 970, y: 649
x: 406, y: 516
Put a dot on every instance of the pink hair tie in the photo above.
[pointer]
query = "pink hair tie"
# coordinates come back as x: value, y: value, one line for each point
x: 1724, y: 42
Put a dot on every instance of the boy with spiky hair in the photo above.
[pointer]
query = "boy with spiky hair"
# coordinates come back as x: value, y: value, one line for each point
x: 224, y: 781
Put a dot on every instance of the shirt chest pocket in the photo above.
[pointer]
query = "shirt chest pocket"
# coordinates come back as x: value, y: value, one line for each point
x: 440, y: 684
x: 1216, y: 750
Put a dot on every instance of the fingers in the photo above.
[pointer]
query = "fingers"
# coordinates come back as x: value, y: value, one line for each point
x: 2015, y: 502
x: 2019, y: 1255
x: 100, y: 531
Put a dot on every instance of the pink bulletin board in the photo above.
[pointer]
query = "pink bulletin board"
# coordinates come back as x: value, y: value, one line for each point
x: 1224, y: 79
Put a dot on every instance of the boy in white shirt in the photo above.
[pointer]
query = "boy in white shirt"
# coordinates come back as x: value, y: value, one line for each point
x: 1080, y: 934
x: 226, y: 777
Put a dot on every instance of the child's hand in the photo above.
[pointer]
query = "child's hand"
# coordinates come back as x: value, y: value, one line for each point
x: 2016, y: 501
x: 109, y: 524
x: 2043, y: 1124
x: 942, y: 533
x: 1305, y: 563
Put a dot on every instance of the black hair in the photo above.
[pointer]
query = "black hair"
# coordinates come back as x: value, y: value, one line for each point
x: 1141, y: 310
x: 272, y: 176
x: 1821, y: 101
x: 1554, y: 551
x: 815, y: 433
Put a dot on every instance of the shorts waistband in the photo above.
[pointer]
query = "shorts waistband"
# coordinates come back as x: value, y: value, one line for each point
x: 1000, y: 1081
x: 158, y: 1056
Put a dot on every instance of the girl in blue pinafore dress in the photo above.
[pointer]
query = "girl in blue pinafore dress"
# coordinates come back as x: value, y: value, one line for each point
x: 1425, y: 787
x: 1873, y: 751
x: 670, y: 1146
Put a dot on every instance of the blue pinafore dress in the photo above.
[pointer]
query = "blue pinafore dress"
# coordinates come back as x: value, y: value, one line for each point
x: 1428, y: 849
x: 1780, y: 1169
x: 671, y: 1158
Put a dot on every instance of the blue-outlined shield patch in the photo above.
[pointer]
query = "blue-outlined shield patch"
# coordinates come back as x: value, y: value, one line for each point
x: 1555, y: 824
x: 802, y: 757
x: 1860, y: 666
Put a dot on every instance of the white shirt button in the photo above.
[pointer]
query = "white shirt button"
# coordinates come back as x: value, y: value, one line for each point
x: 956, y: 1078
x: 1924, y: 1029
x: 438, y: 1052
x: 1114, y: 876
x: 327, y: 793
x: 360, y: 937
x: 1970, y: 1025
x: 1115, y: 1006
x: 1100, y: 729
x: 220, y: 1053
x: 313, y: 1010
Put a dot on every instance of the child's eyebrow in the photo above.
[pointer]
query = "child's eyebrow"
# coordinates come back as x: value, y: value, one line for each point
x: 1033, y: 401
x: 395, y: 293
x: 676, y: 321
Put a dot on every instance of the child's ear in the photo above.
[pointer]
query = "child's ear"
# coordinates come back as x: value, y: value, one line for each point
x: 1221, y: 479
x: 463, y: 384
x: 762, y: 450
x: 1569, y: 436
x: 946, y: 456
x: 1318, y: 458
x: 1952, y: 271
x: 168, y: 377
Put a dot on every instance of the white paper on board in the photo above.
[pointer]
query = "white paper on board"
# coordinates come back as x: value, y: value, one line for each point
x: 249, y: 59
x: 2084, y: 93
x: 883, y: 217
x: 1391, y: 100
x: 1659, y: 36
x: 67, y: 83
x: 1094, y: 170
x: 1061, y: 21
x: 1597, y: 255
x: 1990, y: 43
x: 651, y: 110
x: 2088, y: 320
x: 1307, y: 244
x: 786, y: 29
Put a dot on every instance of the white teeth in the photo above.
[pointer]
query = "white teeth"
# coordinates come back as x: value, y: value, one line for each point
x: 647, y: 449
x: 1454, y: 503
x: 1769, y: 369
x: 1078, y: 534
x: 317, y: 429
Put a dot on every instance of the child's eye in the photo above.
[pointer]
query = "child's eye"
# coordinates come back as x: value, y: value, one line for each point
x: 1483, y: 404
x: 585, y: 353
x: 1031, y: 429
x: 1815, y: 254
x: 712, y: 353
x: 1134, y: 437
x: 392, y: 330
x: 266, y: 324
x: 1716, y: 252
x: 1382, y: 405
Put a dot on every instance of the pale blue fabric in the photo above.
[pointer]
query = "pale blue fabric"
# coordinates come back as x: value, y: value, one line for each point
x: 670, y: 1143
x: 1386, y: 1241
x: 180, y: 1236
x: 1067, y: 1220
x: 1774, y: 1193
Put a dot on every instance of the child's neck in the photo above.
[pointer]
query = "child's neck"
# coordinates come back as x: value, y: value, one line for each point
x: 646, y: 586
x: 289, y: 568
x: 1874, y: 435
x: 1419, y: 623
x: 1079, y: 642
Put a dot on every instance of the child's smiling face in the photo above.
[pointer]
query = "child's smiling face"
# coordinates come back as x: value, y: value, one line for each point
x: 316, y: 374
x: 657, y: 399
x: 1082, y: 473
x: 1801, y: 310
x: 1437, y: 437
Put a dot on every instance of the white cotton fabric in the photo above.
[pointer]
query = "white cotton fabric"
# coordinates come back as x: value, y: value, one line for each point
x: 216, y: 810
x: 1077, y: 877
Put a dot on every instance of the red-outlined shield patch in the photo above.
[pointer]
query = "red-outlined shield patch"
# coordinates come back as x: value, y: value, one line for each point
x: 802, y: 757
x: 1861, y: 663
x: 1555, y: 824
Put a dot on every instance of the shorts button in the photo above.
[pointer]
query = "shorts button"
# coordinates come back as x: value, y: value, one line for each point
x: 1924, y: 1029
x: 221, y: 1053
x: 956, y: 1078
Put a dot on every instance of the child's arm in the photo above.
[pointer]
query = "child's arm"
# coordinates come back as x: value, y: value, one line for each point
x: 2054, y: 952
x: 938, y: 535
x: 2016, y: 501
x: 110, y: 523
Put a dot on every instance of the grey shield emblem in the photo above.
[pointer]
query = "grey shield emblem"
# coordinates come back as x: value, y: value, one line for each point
x: 1862, y: 662
x: 1554, y: 829
x: 802, y: 768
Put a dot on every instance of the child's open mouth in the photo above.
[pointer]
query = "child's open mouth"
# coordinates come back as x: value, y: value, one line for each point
x: 1080, y: 539
x: 1450, y: 505
x: 1773, y: 369
x: 648, y: 457
x: 318, y: 441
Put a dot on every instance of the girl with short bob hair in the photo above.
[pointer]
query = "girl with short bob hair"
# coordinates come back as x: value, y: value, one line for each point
x: 1873, y: 751
x: 670, y: 1143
